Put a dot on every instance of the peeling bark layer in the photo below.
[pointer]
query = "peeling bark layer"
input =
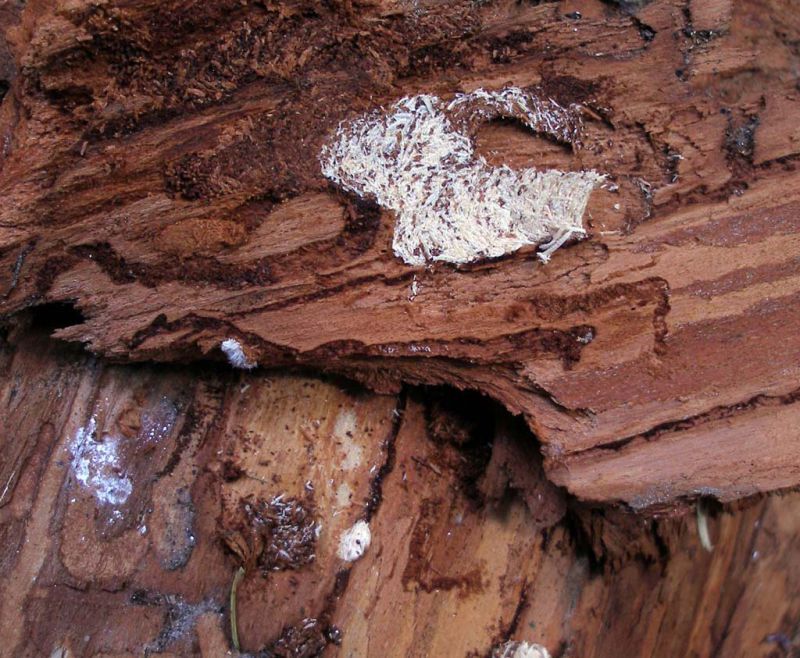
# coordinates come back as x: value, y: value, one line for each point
x: 160, y: 175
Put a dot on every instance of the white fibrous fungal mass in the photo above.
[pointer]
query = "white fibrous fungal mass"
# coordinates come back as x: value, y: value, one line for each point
x: 232, y: 348
x: 418, y: 160
x: 354, y: 542
x: 97, y: 466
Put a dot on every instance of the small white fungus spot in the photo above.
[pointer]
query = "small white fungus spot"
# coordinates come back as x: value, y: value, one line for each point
x: 702, y: 527
x: 236, y: 356
x: 417, y: 159
x: 97, y: 466
x: 520, y: 650
x: 354, y: 542
x: 414, y: 290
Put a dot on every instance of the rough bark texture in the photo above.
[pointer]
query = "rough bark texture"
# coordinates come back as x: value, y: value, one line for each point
x: 467, y: 550
x: 160, y: 174
x: 161, y: 192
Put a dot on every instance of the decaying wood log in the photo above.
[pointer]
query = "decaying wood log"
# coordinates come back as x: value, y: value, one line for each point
x: 124, y: 520
x: 290, y: 364
x: 161, y: 176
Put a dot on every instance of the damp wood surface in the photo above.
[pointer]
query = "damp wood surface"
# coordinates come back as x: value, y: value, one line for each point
x: 468, y: 550
x: 159, y: 174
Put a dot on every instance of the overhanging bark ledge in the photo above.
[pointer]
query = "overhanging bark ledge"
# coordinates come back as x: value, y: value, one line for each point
x: 166, y: 180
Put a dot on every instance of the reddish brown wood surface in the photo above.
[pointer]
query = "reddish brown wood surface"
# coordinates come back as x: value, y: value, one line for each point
x: 467, y: 549
x: 160, y: 174
x: 160, y: 192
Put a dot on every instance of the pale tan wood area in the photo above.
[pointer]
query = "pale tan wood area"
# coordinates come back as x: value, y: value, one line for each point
x: 468, y: 550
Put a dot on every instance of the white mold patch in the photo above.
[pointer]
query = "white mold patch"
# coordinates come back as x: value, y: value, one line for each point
x: 354, y: 542
x: 180, y: 620
x: 232, y: 348
x: 96, y: 465
x: 520, y: 650
x: 418, y: 160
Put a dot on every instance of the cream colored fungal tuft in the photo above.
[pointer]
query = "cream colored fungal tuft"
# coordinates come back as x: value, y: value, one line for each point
x: 232, y: 348
x: 355, y: 542
x: 417, y: 159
